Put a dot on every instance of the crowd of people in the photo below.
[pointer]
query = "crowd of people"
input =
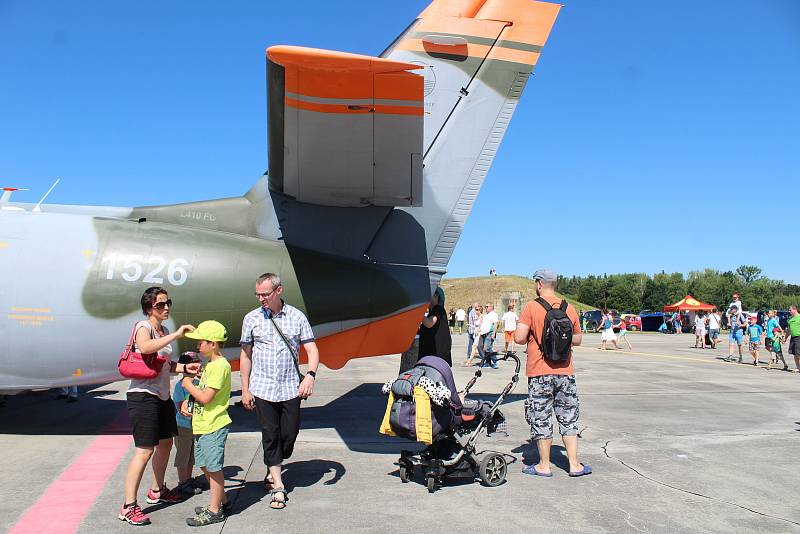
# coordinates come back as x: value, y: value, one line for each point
x: 195, y: 418
x: 745, y: 332
x: 483, y: 324
x: 770, y: 336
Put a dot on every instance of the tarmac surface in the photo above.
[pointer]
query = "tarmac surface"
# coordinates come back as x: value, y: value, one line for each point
x: 679, y: 442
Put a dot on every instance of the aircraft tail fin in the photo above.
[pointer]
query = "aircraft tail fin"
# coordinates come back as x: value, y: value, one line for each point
x: 476, y: 57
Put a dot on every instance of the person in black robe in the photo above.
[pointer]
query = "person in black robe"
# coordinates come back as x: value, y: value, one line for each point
x: 434, y: 333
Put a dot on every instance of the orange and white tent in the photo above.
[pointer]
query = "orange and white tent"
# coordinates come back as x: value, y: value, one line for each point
x: 689, y: 303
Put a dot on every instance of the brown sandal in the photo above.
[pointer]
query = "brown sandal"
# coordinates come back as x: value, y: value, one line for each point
x: 274, y: 502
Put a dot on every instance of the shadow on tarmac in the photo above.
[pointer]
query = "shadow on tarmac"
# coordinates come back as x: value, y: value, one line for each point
x: 296, y: 475
x: 355, y: 416
x: 40, y: 413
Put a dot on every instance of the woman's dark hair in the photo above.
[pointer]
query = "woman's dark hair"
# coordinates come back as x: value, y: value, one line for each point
x: 149, y: 298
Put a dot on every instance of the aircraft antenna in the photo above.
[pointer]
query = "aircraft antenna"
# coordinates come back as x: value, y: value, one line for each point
x: 38, y: 206
x: 5, y: 198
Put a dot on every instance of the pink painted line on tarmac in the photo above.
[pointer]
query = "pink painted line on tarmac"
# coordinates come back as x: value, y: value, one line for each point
x: 67, y: 500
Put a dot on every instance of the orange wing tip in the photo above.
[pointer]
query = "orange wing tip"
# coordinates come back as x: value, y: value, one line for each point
x: 317, y: 58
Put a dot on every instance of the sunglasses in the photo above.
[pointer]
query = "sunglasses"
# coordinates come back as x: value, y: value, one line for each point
x: 264, y: 295
x: 161, y: 305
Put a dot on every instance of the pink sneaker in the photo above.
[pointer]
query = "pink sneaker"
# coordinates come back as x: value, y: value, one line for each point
x: 133, y: 515
x: 164, y: 495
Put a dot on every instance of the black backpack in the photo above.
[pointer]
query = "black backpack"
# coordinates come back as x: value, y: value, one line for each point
x: 556, y: 336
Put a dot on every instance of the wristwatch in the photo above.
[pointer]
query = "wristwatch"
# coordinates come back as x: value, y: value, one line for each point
x: 312, y: 374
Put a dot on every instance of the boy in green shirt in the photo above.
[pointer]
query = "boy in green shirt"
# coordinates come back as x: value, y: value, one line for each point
x: 210, y: 418
x: 776, y: 348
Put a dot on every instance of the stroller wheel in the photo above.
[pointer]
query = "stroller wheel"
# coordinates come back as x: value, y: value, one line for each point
x: 406, y: 472
x: 493, y: 469
x: 431, y: 483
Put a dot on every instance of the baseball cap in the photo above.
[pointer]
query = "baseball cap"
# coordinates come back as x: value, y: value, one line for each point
x: 546, y: 275
x: 189, y: 357
x: 209, y: 331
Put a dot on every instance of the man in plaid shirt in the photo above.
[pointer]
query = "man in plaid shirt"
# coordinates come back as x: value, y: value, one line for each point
x: 271, y: 381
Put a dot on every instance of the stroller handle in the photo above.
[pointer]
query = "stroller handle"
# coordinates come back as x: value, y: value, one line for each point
x: 516, y: 361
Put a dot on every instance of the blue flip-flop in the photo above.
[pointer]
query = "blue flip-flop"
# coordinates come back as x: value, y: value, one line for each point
x: 531, y: 470
x: 587, y: 470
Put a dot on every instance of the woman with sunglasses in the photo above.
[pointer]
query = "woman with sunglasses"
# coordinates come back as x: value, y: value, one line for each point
x: 150, y: 408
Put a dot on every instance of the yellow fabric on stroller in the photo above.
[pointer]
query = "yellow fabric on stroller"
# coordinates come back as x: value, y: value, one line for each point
x: 424, y: 421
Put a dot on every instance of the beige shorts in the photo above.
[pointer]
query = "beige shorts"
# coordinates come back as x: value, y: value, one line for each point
x: 184, y: 447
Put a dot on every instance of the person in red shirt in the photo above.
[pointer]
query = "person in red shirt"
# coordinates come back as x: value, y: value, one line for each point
x: 551, y: 385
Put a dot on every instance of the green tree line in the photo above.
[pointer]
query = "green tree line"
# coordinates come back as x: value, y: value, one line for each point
x: 638, y: 291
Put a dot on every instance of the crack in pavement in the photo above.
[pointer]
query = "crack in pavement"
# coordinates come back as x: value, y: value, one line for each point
x: 696, y: 494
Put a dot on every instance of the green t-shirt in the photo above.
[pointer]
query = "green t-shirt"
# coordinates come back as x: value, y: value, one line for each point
x: 794, y: 325
x: 211, y: 417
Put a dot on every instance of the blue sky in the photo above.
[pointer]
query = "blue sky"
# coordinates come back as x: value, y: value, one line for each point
x: 648, y: 128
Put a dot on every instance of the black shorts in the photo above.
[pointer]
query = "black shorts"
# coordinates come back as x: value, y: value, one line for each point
x: 794, y: 345
x: 280, y: 424
x: 152, y: 419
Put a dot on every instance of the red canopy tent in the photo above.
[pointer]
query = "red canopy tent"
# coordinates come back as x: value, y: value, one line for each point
x: 689, y: 303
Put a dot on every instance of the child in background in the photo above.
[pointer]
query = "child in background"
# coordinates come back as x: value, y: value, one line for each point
x: 754, y: 332
x: 184, y: 442
x: 623, y: 333
x: 699, y: 331
x: 777, y: 348
x: 210, y: 419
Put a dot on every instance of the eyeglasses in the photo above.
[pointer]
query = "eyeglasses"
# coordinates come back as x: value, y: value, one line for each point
x: 264, y: 295
x: 161, y: 305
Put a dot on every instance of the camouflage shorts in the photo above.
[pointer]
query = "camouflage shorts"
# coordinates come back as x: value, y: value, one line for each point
x: 550, y: 393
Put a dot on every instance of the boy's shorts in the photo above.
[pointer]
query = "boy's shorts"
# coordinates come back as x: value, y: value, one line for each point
x: 755, y: 345
x: 209, y: 449
x: 736, y: 336
x: 184, y: 447
x: 713, y: 333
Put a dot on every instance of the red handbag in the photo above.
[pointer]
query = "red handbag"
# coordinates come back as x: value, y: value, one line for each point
x: 134, y: 364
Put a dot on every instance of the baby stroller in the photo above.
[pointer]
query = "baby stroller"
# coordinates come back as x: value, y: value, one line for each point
x: 424, y: 405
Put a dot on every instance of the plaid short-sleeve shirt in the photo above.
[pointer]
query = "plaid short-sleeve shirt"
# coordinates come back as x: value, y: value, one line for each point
x: 274, y: 376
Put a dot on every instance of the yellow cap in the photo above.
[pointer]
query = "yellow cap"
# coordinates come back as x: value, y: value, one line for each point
x: 209, y: 331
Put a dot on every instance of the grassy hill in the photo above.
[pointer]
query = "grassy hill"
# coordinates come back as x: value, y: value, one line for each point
x: 462, y: 292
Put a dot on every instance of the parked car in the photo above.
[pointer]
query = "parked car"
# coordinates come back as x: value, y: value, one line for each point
x: 633, y: 321
x: 592, y: 319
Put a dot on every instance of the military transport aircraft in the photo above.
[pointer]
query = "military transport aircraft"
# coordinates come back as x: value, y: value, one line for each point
x: 374, y: 165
